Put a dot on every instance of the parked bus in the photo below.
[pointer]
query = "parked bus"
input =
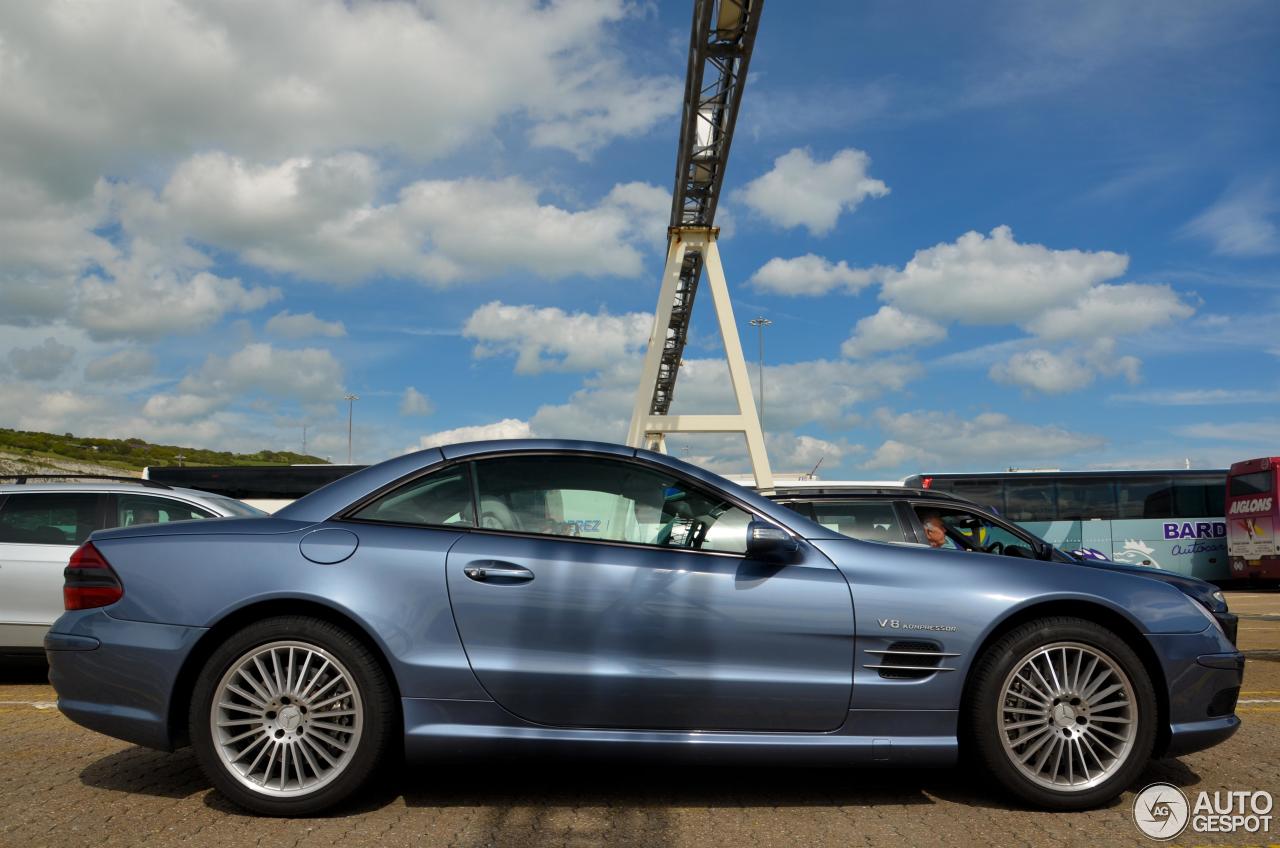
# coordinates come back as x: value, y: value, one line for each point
x: 1252, y: 519
x: 1165, y: 519
x: 267, y: 487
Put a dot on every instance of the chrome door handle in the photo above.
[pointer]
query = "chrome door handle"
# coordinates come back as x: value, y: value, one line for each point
x: 497, y: 572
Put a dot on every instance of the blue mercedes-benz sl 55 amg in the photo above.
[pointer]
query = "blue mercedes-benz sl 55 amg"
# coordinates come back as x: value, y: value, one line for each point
x: 575, y: 595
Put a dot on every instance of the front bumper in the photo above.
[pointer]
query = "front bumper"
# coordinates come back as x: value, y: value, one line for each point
x: 1203, y: 676
x: 117, y: 677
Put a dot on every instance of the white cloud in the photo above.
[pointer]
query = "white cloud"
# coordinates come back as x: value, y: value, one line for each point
x: 150, y: 303
x: 182, y: 407
x: 949, y: 442
x: 802, y: 192
x: 550, y: 339
x: 89, y: 88
x: 1112, y: 310
x: 891, y: 329
x: 414, y: 402
x: 1241, y: 222
x: 303, y: 325
x: 1054, y: 373
x: 45, y: 245
x: 897, y: 455
x: 31, y: 406
x: 320, y: 219
x: 121, y: 365
x: 1198, y: 397
x: 996, y: 280
x: 507, y: 428
x: 1262, y: 433
x: 308, y: 375
x: 45, y: 361
x: 813, y: 275
x: 1044, y: 371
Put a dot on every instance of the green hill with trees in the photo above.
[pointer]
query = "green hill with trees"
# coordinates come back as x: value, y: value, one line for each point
x: 132, y: 454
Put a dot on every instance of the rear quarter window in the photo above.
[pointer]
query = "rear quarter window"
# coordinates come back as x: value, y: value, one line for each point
x: 49, y: 518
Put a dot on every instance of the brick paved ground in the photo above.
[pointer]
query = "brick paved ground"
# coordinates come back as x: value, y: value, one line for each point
x: 61, y: 785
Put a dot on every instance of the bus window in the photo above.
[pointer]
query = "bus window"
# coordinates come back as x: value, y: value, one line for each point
x: 1144, y: 497
x: 1257, y: 483
x: 1081, y: 500
x: 988, y: 493
x: 1150, y: 497
x: 1215, y: 498
x: 1030, y: 500
x: 1188, y: 499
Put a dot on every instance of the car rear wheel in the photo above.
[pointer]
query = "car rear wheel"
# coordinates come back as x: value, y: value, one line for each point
x: 290, y: 716
x: 1063, y: 713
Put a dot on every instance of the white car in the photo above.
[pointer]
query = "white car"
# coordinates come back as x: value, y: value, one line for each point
x: 42, y: 522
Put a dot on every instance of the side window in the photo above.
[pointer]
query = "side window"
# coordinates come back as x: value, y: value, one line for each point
x: 1081, y: 500
x: 49, y: 518
x: 1144, y: 497
x: 964, y: 530
x: 441, y: 498
x: 988, y: 493
x: 872, y: 520
x: 604, y: 499
x: 1030, y: 500
x: 150, y: 509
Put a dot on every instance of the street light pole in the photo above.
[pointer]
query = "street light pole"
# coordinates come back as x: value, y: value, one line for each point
x: 760, y: 322
x: 350, y: 399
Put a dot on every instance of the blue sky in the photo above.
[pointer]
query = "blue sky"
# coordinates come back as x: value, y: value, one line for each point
x: 988, y: 235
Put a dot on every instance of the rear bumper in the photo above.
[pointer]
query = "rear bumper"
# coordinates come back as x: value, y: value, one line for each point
x: 117, y: 677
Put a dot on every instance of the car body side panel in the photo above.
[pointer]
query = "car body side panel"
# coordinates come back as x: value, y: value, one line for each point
x: 393, y: 587
x: 610, y: 635
x: 30, y: 591
x: 905, y: 594
x: 435, y: 730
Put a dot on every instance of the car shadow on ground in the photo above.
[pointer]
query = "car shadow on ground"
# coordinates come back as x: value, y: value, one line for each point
x: 640, y: 789
x: 23, y: 671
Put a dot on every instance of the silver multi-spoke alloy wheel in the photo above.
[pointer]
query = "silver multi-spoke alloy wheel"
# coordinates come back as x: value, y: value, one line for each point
x: 286, y: 719
x: 1067, y: 716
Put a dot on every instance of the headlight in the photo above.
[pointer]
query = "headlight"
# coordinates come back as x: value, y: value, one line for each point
x: 1201, y: 609
x: 1219, y: 598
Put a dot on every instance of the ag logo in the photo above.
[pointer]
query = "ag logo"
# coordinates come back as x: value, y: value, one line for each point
x: 1161, y: 811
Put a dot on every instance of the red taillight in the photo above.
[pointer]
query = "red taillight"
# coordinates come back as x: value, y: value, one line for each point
x: 926, y: 483
x: 88, y: 580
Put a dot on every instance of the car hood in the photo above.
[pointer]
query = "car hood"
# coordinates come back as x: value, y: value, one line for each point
x: 1199, y: 589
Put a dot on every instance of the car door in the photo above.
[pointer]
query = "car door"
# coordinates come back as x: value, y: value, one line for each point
x: 38, y: 532
x: 611, y: 593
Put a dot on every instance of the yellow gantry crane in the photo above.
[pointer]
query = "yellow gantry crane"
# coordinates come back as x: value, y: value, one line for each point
x: 724, y: 33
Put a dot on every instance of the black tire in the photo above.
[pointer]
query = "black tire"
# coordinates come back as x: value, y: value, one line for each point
x: 988, y: 702
x: 373, y: 702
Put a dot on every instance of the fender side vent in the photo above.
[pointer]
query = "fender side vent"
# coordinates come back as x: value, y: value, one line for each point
x: 908, y: 660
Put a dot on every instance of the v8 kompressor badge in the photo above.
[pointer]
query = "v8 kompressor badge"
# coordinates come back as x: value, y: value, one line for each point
x: 896, y: 624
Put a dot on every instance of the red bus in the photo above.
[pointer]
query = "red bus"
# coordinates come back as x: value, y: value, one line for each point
x: 1252, y: 519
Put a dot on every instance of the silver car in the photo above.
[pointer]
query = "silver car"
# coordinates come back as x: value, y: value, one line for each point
x: 42, y: 522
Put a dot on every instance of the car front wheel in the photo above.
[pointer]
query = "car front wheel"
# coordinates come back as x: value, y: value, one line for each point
x: 290, y: 716
x: 1063, y: 713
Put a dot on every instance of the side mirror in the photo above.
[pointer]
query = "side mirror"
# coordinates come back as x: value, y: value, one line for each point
x: 769, y: 541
